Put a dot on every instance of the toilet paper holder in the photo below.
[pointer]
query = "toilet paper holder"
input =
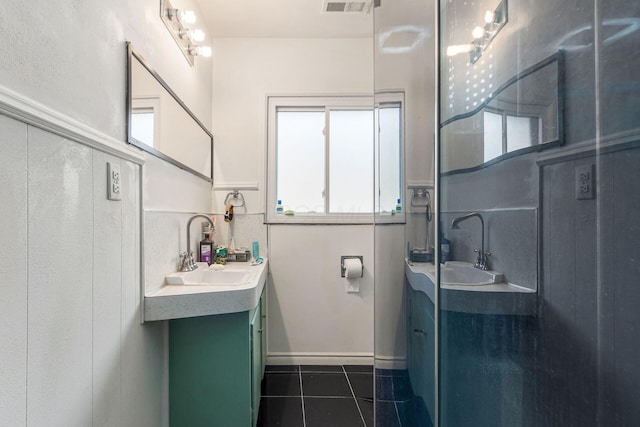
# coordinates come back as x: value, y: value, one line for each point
x: 343, y: 269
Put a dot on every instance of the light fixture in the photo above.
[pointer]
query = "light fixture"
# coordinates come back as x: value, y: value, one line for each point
x: 188, y: 39
x: 494, y: 20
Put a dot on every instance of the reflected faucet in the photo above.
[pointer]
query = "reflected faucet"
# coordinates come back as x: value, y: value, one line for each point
x: 481, y: 262
x: 187, y: 263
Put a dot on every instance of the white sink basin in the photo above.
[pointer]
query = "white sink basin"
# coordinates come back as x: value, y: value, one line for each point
x: 203, y: 276
x: 465, y: 274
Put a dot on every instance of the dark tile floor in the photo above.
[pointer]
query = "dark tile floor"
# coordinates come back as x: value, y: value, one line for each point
x: 337, y: 396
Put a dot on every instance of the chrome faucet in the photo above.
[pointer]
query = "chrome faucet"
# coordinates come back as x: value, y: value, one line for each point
x: 481, y: 262
x: 187, y: 263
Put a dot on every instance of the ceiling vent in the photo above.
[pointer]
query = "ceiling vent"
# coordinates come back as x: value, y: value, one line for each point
x: 346, y: 6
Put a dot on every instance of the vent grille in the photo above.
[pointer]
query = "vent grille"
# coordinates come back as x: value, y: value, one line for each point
x: 347, y: 6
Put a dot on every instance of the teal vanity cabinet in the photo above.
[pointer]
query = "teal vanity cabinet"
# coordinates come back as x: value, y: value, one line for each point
x: 216, y: 365
x: 421, y: 343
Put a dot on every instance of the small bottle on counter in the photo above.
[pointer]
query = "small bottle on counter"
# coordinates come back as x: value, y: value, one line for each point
x: 279, y: 208
x: 445, y: 249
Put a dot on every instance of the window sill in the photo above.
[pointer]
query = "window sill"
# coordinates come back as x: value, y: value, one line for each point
x: 336, y: 219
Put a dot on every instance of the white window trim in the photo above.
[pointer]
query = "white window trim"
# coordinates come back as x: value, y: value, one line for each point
x: 392, y: 97
x: 331, y: 102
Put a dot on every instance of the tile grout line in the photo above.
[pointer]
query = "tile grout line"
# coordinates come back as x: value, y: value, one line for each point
x: 395, y: 407
x: 354, y: 396
x: 304, y: 418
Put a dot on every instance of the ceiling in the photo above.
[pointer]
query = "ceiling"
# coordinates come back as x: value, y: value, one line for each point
x: 281, y: 19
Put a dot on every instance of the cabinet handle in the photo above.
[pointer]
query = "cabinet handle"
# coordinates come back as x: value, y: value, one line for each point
x: 420, y: 331
x: 259, y: 331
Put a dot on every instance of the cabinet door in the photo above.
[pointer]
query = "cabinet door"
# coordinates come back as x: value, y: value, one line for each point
x: 422, y: 348
x: 210, y: 370
x: 418, y: 337
x: 256, y: 363
x: 263, y: 334
x: 429, y: 358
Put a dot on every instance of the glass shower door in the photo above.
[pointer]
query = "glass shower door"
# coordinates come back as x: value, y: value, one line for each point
x: 539, y: 183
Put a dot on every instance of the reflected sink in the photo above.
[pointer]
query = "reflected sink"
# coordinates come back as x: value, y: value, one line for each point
x: 202, y: 276
x: 458, y: 273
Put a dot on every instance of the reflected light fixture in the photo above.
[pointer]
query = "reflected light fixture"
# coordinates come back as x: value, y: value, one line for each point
x: 188, y: 39
x: 494, y: 20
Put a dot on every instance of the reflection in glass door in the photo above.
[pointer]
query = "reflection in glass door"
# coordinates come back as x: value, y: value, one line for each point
x: 548, y: 334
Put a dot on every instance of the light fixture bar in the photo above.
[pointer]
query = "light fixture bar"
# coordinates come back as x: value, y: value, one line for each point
x: 186, y: 38
x: 483, y: 34
x: 494, y: 20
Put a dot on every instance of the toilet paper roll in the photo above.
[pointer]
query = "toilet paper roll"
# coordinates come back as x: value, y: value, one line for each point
x: 352, y: 274
x: 353, y: 268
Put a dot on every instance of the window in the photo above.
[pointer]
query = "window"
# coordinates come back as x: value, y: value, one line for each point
x: 504, y: 133
x: 144, y: 124
x: 323, y: 155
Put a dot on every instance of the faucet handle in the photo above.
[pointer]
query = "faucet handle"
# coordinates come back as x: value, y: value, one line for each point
x: 479, y: 260
x: 184, y: 261
x: 192, y: 261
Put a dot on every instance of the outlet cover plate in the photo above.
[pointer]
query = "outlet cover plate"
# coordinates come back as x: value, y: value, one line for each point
x: 585, y: 182
x: 114, y: 181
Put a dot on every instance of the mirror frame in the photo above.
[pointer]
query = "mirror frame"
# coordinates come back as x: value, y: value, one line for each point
x: 557, y: 57
x: 132, y: 55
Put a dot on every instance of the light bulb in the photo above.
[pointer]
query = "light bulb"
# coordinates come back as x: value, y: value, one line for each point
x: 489, y: 16
x: 458, y: 48
x: 478, y: 32
x: 196, y: 35
x: 203, y: 51
x: 188, y: 16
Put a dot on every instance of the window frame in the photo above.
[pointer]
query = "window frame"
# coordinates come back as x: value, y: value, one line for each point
x: 505, y: 115
x: 390, y: 98
x: 328, y: 103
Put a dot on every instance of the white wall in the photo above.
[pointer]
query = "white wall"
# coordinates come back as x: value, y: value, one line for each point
x: 74, y: 352
x: 311, y: 317
x: 390, y: 321
x: 245, y: 72
x: 78, y: 354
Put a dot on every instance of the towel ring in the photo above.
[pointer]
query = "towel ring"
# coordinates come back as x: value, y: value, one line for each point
x: 232, y: 197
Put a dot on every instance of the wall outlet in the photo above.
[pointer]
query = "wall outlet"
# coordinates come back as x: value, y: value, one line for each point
x: 585, y: 182
x: 114, y: 186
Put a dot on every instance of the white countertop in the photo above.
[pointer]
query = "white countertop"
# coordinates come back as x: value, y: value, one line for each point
x: 497, y: 298
x: 180, y: 301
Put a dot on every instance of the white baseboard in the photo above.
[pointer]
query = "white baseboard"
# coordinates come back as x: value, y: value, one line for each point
x: 382, y: 362
x: 319, y: 359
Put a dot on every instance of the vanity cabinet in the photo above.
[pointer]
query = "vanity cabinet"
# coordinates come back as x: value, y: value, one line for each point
x: 421, y: 337
x: 216, y: 364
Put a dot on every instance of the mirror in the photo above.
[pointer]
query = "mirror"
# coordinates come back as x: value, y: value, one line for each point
x: 161, y: 124
x: 522, y: 115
